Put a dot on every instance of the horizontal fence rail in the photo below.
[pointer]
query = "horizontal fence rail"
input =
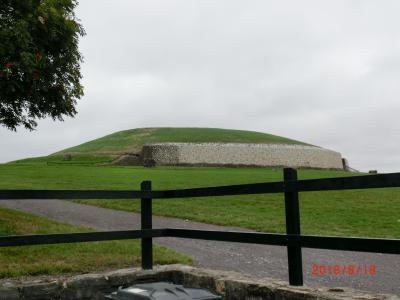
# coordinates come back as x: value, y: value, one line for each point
x: 67, y: 194
x: 388, y: 246
x: 305, y: 185
x: 61, y: 238
x: 293, y: 239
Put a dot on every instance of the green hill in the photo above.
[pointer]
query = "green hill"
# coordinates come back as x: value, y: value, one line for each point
x: 132, y: 140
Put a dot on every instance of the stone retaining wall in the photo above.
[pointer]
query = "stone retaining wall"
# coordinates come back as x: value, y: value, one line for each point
x: 235, y: 154
x: 230, y: 285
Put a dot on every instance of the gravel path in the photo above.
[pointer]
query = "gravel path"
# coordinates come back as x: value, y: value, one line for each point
x: 259, y: 260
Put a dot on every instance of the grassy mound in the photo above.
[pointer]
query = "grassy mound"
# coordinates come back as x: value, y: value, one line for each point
x: 106, y: 149
x: 133, y: 140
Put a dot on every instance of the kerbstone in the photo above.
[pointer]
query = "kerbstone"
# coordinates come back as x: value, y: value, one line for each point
x: 231, y: 285
x: 40, y: 290
x: 9, y: 293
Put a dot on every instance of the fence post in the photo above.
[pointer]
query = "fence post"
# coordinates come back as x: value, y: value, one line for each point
x: 292, y: 212
x: 146, y: 223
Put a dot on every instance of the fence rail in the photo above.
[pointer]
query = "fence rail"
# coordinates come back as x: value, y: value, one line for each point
x: 308, y: 185
x: 293, y: 239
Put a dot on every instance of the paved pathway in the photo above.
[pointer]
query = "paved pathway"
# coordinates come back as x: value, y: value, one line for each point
x: 259, y: 260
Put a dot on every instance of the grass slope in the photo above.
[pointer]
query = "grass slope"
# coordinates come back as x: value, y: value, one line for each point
x: 79, y: 159
x: 66, y: 258
x: 132, y: 140
x: 373, y: 213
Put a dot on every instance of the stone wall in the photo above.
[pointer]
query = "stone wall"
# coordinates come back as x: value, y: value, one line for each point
x: 235, y: 154
x: 230, y: 285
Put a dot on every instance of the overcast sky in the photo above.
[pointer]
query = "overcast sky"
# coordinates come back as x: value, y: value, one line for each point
x: 323, y: 72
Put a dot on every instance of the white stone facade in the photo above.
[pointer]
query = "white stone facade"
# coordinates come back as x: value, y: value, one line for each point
x: 236, y: 154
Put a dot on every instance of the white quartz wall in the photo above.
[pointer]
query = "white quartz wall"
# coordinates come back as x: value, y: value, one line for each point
x: 243, y: 154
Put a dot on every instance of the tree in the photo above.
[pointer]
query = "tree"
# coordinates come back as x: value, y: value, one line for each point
x: 39, y: 61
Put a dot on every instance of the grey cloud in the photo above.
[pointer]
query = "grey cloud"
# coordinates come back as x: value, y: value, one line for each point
x: 322, y: 72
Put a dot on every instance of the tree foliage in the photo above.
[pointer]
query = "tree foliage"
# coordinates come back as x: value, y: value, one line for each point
x: 39, y: 61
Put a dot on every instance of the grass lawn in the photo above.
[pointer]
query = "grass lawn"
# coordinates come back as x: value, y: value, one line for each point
x: 373, y: 213
x: 67, y: 258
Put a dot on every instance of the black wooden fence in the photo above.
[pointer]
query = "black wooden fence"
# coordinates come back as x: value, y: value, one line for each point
x: 293, y: 239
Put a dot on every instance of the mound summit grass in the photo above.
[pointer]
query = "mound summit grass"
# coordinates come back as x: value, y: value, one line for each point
x: 132, y: 140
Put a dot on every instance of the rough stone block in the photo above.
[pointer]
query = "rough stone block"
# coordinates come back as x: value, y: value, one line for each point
x: 9, y: 293
x: 40, y: 291
x: 231, y: 285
